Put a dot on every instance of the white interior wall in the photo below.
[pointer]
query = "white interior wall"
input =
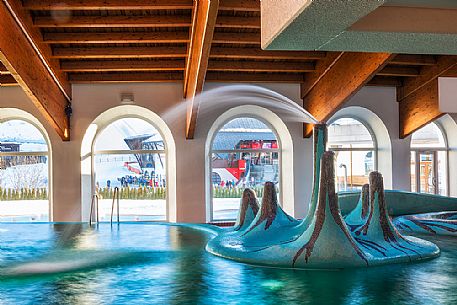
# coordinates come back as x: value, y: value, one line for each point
x: 90, y: 100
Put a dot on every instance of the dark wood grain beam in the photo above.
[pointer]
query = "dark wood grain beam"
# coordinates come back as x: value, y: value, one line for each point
x: 427, y: 75
x: 203, y: 24
x: 21, y: 59
x: 123, y: 65
x: 349, y: 73
x: 419, y: 108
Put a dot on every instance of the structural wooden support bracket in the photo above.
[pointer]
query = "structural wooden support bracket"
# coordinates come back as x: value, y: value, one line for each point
x: 419, y: 108
x: 342, y: 77
x: 203, y: 22
x: 22, y: 60
x: 418, y: 97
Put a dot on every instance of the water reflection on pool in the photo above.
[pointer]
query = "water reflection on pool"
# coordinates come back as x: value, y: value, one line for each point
x: 168, y: 265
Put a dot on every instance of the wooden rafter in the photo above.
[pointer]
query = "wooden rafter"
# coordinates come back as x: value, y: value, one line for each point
x: 21, y: 59
x: 46, y: 5
x: 257, y: 53
x: 45, y: 50
x: 240, y: 77
x: 204, y: 18
x: 123, y: 65
x: 137, y: 77
x: 119, y: 52
x: 419, y: 109
x: 322, y: 68
x: 428, y: 74
x: 399, y: 71
x: 117, y: 37
x: 7, y: 80
x: 141, y: 21
x: 418, y: 97
x: 349, y: 73
x: 261, y: 66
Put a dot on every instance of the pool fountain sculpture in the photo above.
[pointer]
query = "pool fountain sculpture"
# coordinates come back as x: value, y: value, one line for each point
x: 323, y: 239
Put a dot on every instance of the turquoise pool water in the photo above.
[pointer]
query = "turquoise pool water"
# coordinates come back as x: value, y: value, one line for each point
x: 146, y: 263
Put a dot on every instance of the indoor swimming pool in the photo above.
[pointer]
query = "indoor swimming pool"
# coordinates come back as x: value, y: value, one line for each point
x: 149, y: 263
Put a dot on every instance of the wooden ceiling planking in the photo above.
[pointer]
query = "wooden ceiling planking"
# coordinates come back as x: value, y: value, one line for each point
x: 119, y: 52
x: 261, y: 66
x: 141, y: 21
x: 137, y: 77
x: 122, y: 65
x: 7, y: 80
x: 56, y: 5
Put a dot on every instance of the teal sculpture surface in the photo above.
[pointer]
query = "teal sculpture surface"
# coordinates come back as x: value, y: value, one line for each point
x: 324, y: 239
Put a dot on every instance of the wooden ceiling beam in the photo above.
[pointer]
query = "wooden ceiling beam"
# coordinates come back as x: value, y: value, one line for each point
x: 129, y: 21
x: 154, y: 21
x: 413, y: 60
x: 322, y: 67
x: 136, y: 77
x: 123, y: 65
x: 384, y: 81
x: 349, y: 73
x: 55, y: 5
x: 399, y: 71
x: 237, y: 38
x: 257, y: 53
x: 237, y: 77
x: 7, y: 80
x: 117, y: 37
x: 427, y: 75
x: 239, y: 5
x: 119, y: 52
x: 45, y: 51
x: 204, y: 17
x: 147, y: 37
x: 261, y: 66
x: 419, y: 108
x: 19, y: 56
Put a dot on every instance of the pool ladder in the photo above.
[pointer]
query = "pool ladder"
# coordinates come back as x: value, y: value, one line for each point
x: 93, y: 209
x: 115, y: 200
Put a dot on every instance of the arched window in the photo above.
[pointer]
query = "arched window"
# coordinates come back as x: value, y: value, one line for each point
x: 355, y: 151
x: 245, y: 152
x: 130, y: 154
x: 24, y: 172
x: 429, y: 153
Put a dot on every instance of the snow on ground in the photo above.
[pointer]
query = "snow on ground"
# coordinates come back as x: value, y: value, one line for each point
x: 130, y: 210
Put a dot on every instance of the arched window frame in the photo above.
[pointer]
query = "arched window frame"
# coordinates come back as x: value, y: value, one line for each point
x: 374, y: 149
x: 28, y: 118
x: 87, y: 145
x: 95, y: 152
x: 417, y: 150
x: 211, y: 151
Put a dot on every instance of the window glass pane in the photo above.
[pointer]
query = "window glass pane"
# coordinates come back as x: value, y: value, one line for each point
x: 413, y: 172
x: 24, y: 188
x: 21, y: 136
x: 353, y: 169
x: 129, y: 134
x: 245, y: 133
x: 427, y: 173
x: 442, y: 173
x: 232, y: 172
x: 141, y: 179
x: 349, y: 133
x: 428, y: 136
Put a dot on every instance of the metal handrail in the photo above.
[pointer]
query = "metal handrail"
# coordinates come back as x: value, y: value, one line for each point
x: 92, y: 209
x: 115, y: 198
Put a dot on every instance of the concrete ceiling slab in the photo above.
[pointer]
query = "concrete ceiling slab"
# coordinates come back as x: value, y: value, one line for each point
x: 415, y: 26
x: 309, y: 24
